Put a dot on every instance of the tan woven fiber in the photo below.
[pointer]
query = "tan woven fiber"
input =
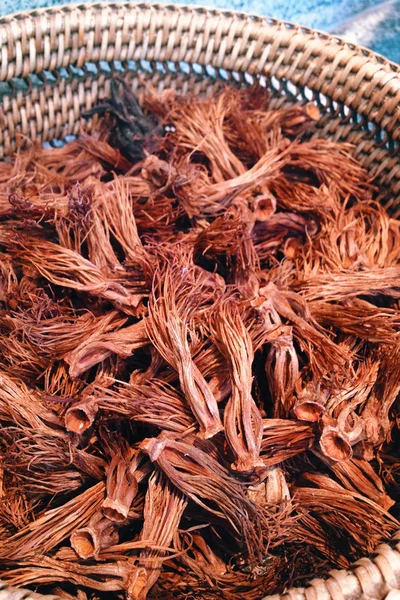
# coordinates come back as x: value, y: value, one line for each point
x: 55, y: 63
x: 376, y: 578
x: 357, y: 90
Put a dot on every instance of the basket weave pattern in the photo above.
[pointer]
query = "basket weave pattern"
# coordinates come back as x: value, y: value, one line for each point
x: 56, y: 63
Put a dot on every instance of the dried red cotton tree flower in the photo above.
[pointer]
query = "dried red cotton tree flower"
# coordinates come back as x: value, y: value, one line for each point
x: 54, y: 526
x: 174, y: 304
x: 163, y: 510
x: 98, y: 534
x: 127, y: 469
x: 242, y: 418
x: 284, y: 438
x: 282, y: 369
x: 201, y: 478
x: 99, y: 346
x: 310, y: 401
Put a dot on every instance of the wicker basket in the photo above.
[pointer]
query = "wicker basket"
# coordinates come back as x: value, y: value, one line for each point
x: 55, y: 63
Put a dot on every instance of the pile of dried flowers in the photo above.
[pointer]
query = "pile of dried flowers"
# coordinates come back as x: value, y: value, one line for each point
x: 200, y: 353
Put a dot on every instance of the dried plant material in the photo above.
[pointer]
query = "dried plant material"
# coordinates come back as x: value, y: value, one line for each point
x: 359, y: 318
x: 199, y: 567
x: 98, y: 534
x: 163, y: 511
x: 115, y: 211
x: 121, y: 488
x: 226, y: 244
x: 282, y: 369
x: 277, y: 490
x: 265, y: 206
x: 58, y: 335
x: 242, y: 419
x: 199, y: 352
x: 283, y: 439
x: 342, y: 286
x: 322, y: 351
x: 153, y: 402
x: 159, y: 172
x: 100, y: 346
x: 272, y: 234
x: 346, y: 513
x: 359, y: 237
x: 357, y: 475
x: 206, y: 199
x: 202, y: 479
x: 16, y: 508
x: 110, y: 576
x: 54, y: 526
x: 173, y: 303
x: 335, y: 443
x: 375, y: 413
x: 133, y: 133
x: 64, y: 267
x: 80, y: 417
x: 45, y: 463
x: 310, y: 402
x: 23, y: 407
x: 331, y: 163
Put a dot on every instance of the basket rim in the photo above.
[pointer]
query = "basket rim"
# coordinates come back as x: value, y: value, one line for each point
x: 384, y: 68
x: 201, y: 9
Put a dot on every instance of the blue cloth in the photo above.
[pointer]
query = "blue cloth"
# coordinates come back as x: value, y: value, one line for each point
x: 366, y: 22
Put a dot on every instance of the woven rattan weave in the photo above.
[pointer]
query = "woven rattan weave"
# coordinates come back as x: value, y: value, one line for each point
x: 55, y: 63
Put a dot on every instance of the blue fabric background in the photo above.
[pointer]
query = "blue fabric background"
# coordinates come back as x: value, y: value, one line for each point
x: 367, y: 22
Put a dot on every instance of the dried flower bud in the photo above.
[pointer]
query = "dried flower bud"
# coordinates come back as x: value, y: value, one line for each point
x: 121, y: 489
x: 80, y: 417
x: 99, y: 533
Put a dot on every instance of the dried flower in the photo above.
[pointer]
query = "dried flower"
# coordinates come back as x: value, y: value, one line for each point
x: 168, y: 326
x: 133, y: 133
x: 310, y: 402
x: 100, y: 346
x: 202, y: 479
x: 54, y: 526
x: 99, y: 533
x: 121, y: 488
x: 282, y: 369
x: 242, y: 419
x: 163, y: 511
